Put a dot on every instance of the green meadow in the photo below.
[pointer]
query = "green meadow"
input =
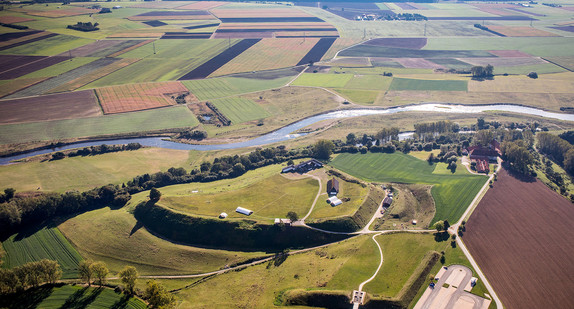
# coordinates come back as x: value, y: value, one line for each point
x: 240, y: 110
x: 428, y: 85
x: 212, y: 88
x: 452, y: 193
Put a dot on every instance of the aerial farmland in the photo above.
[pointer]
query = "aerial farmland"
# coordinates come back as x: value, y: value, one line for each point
x: 248, y: 154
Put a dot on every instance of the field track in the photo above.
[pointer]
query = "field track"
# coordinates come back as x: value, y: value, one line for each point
x: 521, y: 236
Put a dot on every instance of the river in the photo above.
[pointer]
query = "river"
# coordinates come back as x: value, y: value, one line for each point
x: 286, y: 132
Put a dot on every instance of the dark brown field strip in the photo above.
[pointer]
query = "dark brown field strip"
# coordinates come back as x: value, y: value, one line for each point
x: 9, y: 62
x: 154, y: 23
x: 28, y: 41
x: 15, y: 35
x: 305, y: 36
x: 317, y: 52
x: 184, y: 36
x: 202, y: 26
x: 484, y: 18
x: 32, y: 67
x: 174, y: 13
x: 410, y: 43
x: 271, y: 19
x: 275, y: 30
x: 62, y: 79
x: 220, y: 60
x: 101, y: 48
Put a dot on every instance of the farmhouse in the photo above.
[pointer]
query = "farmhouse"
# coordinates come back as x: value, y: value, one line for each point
x: 490, y: 153
x: 333, y: 186
x: 387, y: 201
x: 244, y: 211
x: 482, y: 166
x: 303, y: 167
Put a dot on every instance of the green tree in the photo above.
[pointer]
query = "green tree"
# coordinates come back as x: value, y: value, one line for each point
x: 351, y: 139
x: 100, y: 271
x: 569, y: 161
x: 51, y: 270
x: 439, y: 226
x: 85, y: 270
x: 128, y: 276
x: 292, y: 216
x: 9, y: 193
x: 154, y: 194
x: 158, y: 296
x: 323, y: 149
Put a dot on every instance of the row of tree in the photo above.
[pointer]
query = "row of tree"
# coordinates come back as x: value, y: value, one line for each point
x: 558, y: 150
x: 96, y: 150
x: 31, y: 274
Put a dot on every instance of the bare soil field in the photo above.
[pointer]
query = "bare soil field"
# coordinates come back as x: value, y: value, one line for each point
x: 520, y: 31
x: 9, y: 62
x: 32, y: 67
x: 79, y: 104
x: 135, y: 97
x: 9, y: 87
x: 418, y: 63
x: 521, y: 236
x: 14, y: 19
x: 410, y: 43
x: 15, y: 35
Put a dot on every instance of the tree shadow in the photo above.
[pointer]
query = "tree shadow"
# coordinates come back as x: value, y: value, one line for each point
x: 122, y: 303
x: 28, y: 299
x: 81, y: 298
x: 136, y: 227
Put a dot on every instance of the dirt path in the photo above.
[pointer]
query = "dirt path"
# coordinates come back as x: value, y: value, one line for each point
x: 316, y: 197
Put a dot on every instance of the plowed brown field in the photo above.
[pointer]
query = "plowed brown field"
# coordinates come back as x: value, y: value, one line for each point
x: 522, y: 237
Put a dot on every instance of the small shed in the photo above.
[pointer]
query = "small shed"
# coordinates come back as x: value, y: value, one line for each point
x: 334, y: 201
x: 282, y: 221
x: 244, y: 211
x: 223, y: 215
x: 333, y: 186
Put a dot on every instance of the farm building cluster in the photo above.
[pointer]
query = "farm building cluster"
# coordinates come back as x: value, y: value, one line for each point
x: 333, y: 190
x: 303, y: 167
x: 482, y: 155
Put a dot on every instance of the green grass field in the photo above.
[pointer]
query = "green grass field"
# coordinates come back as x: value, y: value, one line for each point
x: 535, y: 46
x: 207, y: 89
x: 69, y: 296
x: 70, y: 173
x: 47, y: 47
x: 240, y: 110
x: 270, y: 198
x: 452, y: 193
x: 47, y: 243
x: 452, y: 63
x: 323, y: 80
x: 428, y: 85
x: 61, y: 67
x: 369, y: 82
x: 156, y: 119
x: 115, y: 237
x: 378, y: 70
x: 361, y: 266
x: 359, y: 96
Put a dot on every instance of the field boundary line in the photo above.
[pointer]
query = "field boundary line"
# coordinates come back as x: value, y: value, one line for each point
x: 556, y: 64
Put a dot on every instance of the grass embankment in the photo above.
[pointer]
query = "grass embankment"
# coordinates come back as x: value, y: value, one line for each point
x: 47, y: 243
x: 353, y: 193
x: 83, y: 173
x: 452, y: 193
x: 68, y: 296
x: 269, y: 198
x: 156, y: 119
x: 410, y: 202
x: 115, y: 237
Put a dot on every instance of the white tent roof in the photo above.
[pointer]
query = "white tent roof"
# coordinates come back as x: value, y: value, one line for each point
x: 244, y: 211
x: 223, y: 215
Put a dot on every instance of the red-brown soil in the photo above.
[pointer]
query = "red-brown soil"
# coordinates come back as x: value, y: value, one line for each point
x: 79, y: 104
x: 522, y: 236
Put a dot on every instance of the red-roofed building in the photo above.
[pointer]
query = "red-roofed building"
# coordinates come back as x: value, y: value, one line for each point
x: 490, y: 153
x: 482, y: 166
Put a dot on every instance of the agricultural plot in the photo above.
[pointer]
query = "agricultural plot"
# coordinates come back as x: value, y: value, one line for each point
x: 452, y: 63
x: 227, y: 15
x: 564, y: 62
x: 530, y: 221
x: 520, y: 31
x: 27, y: 40
x: 523, y: 84
x: 15, y: 35
x: 428, y: 85
x: 268, y: 54
x: 58, y: 13
x: 64, y: 78
x: 157, y: 119
x: 323, y: 80
x: 61, y: 296
x: 504, y: 62
x: 10, y: 86
x: 359, y: 96
x: 135, y: 97
x: 220, y: 60
x: 276, y: 30
x: 46, y: 243
x: 8, y: 19
x: 79, y: 104
x: 452, y: 193
x: 101, y: 48
x: 212, y: 88
x: 31, y: 67
x: 393, y: 52
x: 417, y: 63
x: 10, y: 62
x: 172, y: 15
x: 202, y: 5
x: 60, y: 68
x: 269, y: 199
x: 240, y: 110
x: 385, y: 62
x: 408, y: 43
x: 316, y: 53
x: 48, y: 45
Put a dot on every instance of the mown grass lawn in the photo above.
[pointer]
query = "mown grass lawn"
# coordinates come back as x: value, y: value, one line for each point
x: 47, y: 243
x: 452, y: 193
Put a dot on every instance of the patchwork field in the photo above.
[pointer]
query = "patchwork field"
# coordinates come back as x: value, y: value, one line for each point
x: 529, y: 220
x: 164, y: 118
x: 452, y: 193
x: 427, y: 85
x: 135, y: 97
x: 240, y: 110
x: 46, y: 243
x: 268, y: 54
x: 80, y: 104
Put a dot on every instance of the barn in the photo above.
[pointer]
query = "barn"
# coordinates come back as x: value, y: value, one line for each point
x: 333, y: 186
x: 244, y: 211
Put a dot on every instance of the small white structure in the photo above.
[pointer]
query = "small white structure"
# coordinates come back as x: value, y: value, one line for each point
x: 334, y: 201
x: 223, y: 215
x: 284, y: 221
x: 414, y: 222
x: 244, y: 211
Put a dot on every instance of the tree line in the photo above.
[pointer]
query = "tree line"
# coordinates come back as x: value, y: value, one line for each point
x: 31, y: 274
x: 558, y: 150
x: 96, y: 150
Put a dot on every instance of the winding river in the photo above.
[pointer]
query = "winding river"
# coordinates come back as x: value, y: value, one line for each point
x: 286, y: 132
